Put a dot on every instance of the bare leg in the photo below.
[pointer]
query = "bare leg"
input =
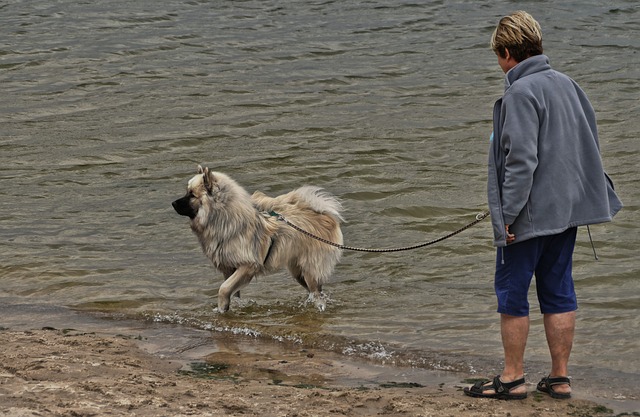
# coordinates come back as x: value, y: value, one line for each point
x: 560, y: 329
x: 515, y: 331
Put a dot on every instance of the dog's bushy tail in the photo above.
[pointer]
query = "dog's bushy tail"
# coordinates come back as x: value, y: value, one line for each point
x: 321, y: 201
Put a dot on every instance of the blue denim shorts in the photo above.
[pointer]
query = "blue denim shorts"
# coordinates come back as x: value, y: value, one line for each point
x: 549, y: 258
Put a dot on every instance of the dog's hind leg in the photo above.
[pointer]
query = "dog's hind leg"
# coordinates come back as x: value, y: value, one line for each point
x: 296, y: 272
x: 317, y: 296
x: 311, y: 284
x: 232, y: 285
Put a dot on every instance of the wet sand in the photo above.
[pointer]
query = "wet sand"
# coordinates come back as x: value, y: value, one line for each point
x: 58, y: 372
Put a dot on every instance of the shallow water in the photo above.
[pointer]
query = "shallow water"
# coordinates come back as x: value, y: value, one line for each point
x: 107, y: 108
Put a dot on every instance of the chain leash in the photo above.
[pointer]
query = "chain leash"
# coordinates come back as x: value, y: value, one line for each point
x: 478, y: 219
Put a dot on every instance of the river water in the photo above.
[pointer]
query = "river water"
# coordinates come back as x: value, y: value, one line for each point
x: 107, y: 108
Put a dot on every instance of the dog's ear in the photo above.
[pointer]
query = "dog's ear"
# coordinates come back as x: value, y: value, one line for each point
x: 208, y: 179
x: 200, y: 170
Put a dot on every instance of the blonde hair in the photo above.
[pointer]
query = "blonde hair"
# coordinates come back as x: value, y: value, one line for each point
x: 520, y: 33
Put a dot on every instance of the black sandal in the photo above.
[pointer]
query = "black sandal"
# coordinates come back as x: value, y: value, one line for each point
x: 546, y: 385
x: 502, y: 390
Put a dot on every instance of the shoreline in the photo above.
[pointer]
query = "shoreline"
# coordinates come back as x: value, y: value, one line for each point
x: 70, y: 372
x: 130, y: 368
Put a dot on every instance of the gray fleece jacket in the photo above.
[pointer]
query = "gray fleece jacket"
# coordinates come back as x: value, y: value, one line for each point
x: 545, y: 169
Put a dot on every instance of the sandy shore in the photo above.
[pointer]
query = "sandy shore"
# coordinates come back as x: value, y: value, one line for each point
x: 70, y: 373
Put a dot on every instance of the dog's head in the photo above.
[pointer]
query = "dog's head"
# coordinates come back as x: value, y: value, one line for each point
x: 202, y: 184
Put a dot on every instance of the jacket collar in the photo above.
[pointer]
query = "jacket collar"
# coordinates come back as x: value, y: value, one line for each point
x: 529, y: 66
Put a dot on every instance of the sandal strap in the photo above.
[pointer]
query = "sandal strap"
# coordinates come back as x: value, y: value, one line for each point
x: 557, y: 380
x: 497, y: 385
x: 506, y: 387
x: 481, y: 385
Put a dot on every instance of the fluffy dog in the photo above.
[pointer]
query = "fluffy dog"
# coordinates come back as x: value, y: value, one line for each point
x: 242, y: 239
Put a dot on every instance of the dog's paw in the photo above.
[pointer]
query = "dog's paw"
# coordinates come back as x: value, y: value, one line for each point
x: 320, y: 300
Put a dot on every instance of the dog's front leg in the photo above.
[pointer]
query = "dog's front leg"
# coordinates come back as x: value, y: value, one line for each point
x: 227, y: 272
x: 240, y: 278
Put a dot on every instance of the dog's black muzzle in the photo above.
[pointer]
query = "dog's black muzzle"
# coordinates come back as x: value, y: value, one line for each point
x: 182, y: 206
